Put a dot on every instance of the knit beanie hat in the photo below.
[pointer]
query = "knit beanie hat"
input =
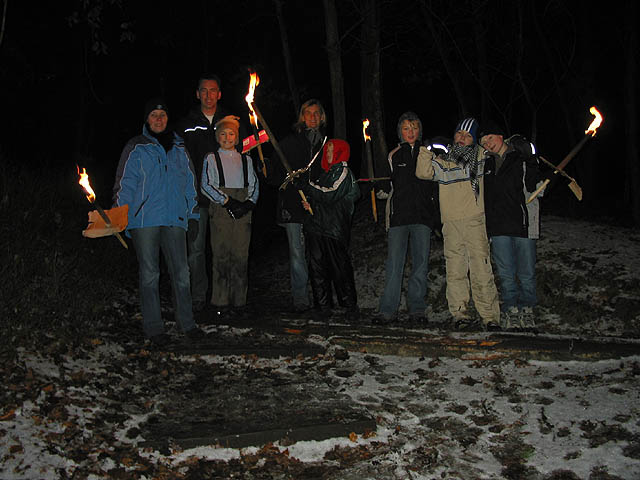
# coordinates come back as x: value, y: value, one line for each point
x: 490, y: 127
x: 152, y: 104
x: 468, y: 125
x: 231, y: 122
x: 341, y: 152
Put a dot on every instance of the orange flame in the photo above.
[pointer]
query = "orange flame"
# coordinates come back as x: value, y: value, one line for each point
x: 365, y: 124
x: 255, y: 81
x: 596, y: 122
x: 84, y: 181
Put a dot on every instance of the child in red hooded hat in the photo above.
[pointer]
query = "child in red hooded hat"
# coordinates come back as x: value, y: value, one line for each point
x: 331, y: 197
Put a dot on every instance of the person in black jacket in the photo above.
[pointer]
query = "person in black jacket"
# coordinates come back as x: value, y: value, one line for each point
x: 197, y: 129
x: 300, y: 148
x: 332, y: 198
x: 510, y: 175
x: 412, y: 213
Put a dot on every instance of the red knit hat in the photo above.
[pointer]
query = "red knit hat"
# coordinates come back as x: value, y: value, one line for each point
x: 341, y: 151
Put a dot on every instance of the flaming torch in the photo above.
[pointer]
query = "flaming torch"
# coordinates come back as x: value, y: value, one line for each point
x: 253, y: 117
x: 276, y: 147
x: 367, y: 146
x: 589, y: 133
x: 91, y: 196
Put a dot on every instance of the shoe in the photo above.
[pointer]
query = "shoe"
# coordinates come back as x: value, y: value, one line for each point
x: 300, y: 308
x: 467, y: 325
x: 160, y: 340
x: 492, y: 327
x: 419, y: 320
x: 195, y: 334
x: 510, y: 318
x: 383, y: 319
x: 352, y: 315
x: 527, y: 318
x: 199, y: 306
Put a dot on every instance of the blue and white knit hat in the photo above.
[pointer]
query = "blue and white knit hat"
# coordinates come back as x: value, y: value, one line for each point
x: 469, y: 125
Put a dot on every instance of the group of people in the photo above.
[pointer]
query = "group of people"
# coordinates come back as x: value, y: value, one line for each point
x: 181, y: 181
x: 177, y: 182
x: 484, y: 183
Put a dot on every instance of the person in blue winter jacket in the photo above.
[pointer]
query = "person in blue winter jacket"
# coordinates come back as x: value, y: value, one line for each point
x: 155, y: 177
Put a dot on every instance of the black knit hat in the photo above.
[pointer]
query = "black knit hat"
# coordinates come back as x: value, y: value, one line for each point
x: 156, y: 103
x: 490, y: 127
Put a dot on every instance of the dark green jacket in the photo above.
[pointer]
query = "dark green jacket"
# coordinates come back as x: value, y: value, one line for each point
x: 332, y: 198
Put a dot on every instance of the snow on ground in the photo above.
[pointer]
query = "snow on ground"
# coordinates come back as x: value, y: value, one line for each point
x: 469, y: 417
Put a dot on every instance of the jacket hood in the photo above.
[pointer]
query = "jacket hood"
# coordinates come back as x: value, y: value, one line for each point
x: 340, y: 153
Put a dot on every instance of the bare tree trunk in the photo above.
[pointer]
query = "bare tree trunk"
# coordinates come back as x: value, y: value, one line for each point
x: 479, y: 30
x: 335, y: 70
x: 525, y: 88
x: 562, y: 103
x: 4, y: 20
x: 205, y: 32
x: 371, y: 88
x: 632, y: 184
x: 447, y: 61
x: 286, y: 51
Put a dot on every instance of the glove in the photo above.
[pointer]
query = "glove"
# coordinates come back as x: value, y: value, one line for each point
x: 248, y: 206
x: 244, y: 208
x: 234, y: 208
x: 299, y: 183
x: 192, y: 230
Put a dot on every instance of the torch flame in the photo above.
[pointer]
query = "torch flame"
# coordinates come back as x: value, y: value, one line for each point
x: 84, y: 181
x: 596, y: 122
x: 254, y: 82
x: 365, y: 124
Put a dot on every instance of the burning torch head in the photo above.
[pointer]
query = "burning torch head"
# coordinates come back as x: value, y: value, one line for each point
x: 335, y: 151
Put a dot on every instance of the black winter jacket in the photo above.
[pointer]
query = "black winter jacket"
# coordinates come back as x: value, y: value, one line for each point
x: 332, y: 199
x: 414, y: 201
x: 505, y: 194
x: 297, y: 149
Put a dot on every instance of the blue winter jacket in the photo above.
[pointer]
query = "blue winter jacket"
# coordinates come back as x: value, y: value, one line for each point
x: 158, y: 186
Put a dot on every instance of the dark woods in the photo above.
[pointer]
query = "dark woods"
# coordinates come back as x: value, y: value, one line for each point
x: 75, y: 77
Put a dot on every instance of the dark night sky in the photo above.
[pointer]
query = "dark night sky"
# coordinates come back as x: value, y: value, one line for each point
x: 58, y: 96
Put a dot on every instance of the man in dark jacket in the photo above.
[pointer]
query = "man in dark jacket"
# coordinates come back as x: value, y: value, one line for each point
x: 512, y: 224
x: 300, y: 149
x: 412, y: 213
x: 198, y: 131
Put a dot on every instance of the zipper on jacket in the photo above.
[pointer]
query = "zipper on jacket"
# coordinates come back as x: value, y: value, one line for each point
x: 140, y: 207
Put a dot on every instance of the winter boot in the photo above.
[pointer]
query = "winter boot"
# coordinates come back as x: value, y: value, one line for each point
x: 527, y: 318
x: 510, y: 318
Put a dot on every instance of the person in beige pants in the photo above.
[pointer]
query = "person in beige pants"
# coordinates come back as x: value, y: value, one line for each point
x: 459, y: 172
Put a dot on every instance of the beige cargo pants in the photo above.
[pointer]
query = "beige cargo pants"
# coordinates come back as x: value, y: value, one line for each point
x: 466, y: 253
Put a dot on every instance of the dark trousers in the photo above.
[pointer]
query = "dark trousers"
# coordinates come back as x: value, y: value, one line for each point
x: 330, y: 264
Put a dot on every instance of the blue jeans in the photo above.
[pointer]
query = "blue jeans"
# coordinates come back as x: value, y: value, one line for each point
x: 148, y: 242
x: 418, y: 237
x: 515, y: 260
x: 198, y: 261
x: 298, y: 264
